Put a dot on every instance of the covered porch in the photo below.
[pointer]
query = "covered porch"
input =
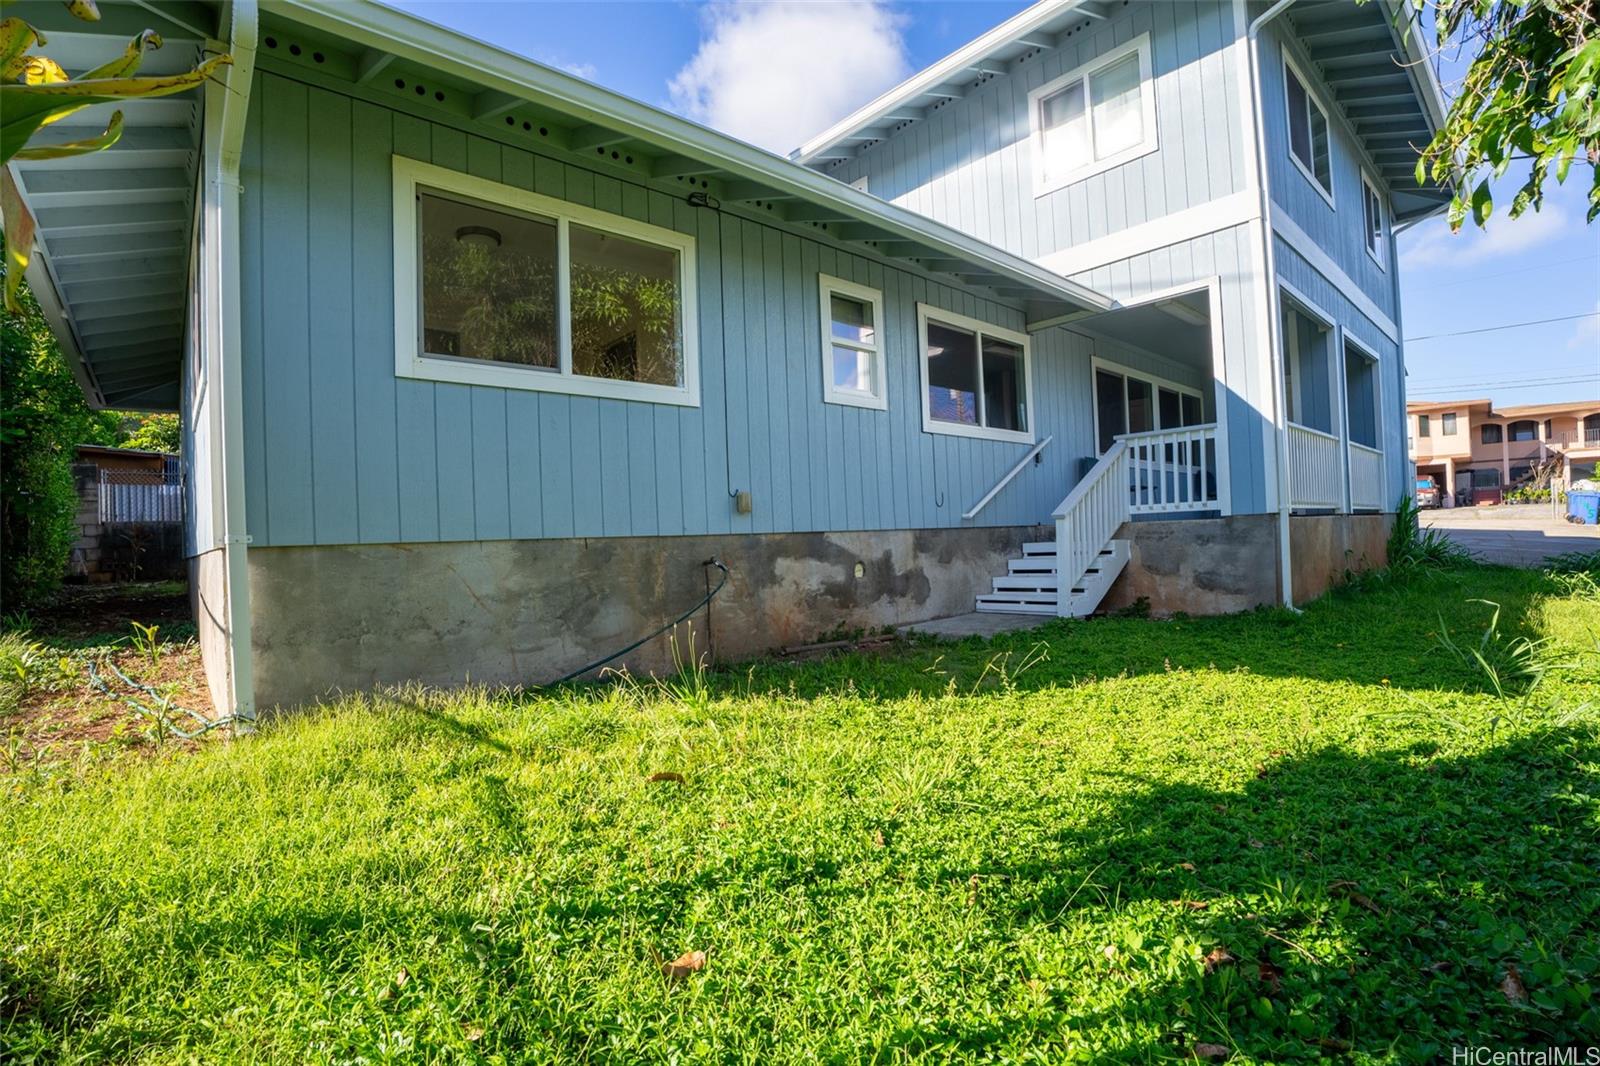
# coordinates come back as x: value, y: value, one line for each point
x: 1333, y: 402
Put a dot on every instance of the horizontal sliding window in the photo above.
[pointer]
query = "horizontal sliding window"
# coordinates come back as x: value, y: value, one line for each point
x: 1094, y: 117
x: 975, y: 376
x: 852, y: 343
x: 498, y: 286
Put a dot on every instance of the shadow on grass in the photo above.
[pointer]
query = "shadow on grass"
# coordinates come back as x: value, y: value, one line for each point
x: 1374, y: 636
x: 1374, y: 903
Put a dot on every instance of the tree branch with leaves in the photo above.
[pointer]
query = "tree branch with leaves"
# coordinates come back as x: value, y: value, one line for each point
x: 1529, y: 95
x: 35, y: 91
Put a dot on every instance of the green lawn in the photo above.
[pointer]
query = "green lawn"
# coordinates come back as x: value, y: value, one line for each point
x: 1292, y: 836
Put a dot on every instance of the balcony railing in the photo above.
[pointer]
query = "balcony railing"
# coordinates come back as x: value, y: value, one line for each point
x: 1366, y: 478
x: 1582, y: 437
x: 1172, y: 470
x: 1316, y: 469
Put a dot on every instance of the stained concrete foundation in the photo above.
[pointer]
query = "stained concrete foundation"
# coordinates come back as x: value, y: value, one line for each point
x: 329, y: 619
x: 1222, y: 565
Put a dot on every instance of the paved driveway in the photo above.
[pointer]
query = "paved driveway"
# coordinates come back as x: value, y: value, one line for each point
x: 1513, y: 536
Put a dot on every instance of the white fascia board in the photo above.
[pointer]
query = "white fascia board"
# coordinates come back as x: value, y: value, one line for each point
x: 377, y: 26
x: 948, y: 69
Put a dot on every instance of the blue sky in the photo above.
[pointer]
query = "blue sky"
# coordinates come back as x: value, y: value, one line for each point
x: 774, y: 74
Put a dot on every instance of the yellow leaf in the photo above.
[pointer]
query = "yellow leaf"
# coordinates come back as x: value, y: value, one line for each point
x: 84, y: 9
x: 128, y: 62
x: 16, y: 37
x: 18, y: 222
x: 42, y: 70
x: 64, y: 149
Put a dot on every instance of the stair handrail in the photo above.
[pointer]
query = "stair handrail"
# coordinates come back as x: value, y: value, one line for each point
x: 1087, y: 519
x: 1006, y: 479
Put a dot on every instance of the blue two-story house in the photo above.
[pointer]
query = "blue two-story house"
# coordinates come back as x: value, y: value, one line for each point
x: 479, y: 364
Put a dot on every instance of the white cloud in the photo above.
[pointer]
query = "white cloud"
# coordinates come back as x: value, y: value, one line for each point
x: 1434, y: 244
x: 586, y: 71
x: 775, y: 74
x: 1587, y: 336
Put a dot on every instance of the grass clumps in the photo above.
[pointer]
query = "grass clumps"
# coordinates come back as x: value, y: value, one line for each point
x: 1127, y: 840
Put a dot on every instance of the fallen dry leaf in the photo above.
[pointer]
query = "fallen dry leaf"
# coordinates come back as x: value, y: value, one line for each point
x: 684, y: 965
x: 1217, y: 958
x: 1270, y: 974
x: 401, y: 977
x: 1210, y: 1052
x: 472, y: 1033
x: 1186, y: 866
x: 1347, y: 890
x: 1513, y: 988
x: 1256, y: 843
x: 1333, y: 1045
x: 1109, y: 951
x: 666, y: 775
x: 1191, y: 904
x: 877, y: 838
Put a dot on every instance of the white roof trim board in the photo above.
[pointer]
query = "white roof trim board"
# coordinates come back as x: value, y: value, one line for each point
x: 494, y: 70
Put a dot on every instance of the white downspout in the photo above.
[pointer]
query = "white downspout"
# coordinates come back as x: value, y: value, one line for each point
x: 1274, y: 303
x: 243, y: 30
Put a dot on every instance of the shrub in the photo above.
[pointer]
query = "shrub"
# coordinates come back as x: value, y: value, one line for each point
x: 1412, y: 548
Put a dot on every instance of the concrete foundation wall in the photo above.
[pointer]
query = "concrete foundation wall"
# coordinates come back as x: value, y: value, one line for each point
x: 208, y: 598
x: 520, y: 611
x: 1222, y: 565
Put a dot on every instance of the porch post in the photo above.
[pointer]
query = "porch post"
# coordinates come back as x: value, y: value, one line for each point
x: 1341, y: 389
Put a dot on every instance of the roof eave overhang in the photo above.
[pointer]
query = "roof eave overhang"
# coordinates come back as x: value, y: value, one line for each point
x: 965, y: 58
x: 378, y: 27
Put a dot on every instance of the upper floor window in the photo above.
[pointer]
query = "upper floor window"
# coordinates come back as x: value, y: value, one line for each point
x: 975, y: 377
x: 1308, y: 131
x: 852, y: 346
x: 1489, y: 433
x: 1525, y: 430
x: 1373, y: 217
x: 1423, y: 429
x: 498, y: 286
x: 1447, y: 425
x: 1094, y: 117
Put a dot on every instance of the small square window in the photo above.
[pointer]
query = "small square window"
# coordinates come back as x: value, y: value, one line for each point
x: 852, y: 343
x: 1308, y: 131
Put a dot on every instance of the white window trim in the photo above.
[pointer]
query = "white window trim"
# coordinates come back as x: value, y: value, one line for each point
x: 1097, y: 364
x: 1312, y: 100
x: 878, y: 400
x: 1370, y: 188
x: 1043, y: 183
x: 928, y: 313
x: 411, y: 362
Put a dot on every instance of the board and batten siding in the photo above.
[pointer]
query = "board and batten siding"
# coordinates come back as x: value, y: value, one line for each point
x: 1339, y: 230
x: 969, y: 164
x: 338, y: 450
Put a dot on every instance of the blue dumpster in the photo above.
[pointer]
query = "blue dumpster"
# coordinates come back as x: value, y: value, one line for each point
x: 1583, y: 508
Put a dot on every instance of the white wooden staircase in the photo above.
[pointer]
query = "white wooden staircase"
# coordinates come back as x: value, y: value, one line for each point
x: 1071, y: 575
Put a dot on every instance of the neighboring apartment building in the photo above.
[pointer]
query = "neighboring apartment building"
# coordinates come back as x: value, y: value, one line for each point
x: 1476, y: 452
x: 479, y: 362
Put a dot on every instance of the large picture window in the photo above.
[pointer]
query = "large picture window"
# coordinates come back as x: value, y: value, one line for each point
x: 976, y: 377
x: 496, y: 285
x: 1094, y: 117
x: 1308, y: 131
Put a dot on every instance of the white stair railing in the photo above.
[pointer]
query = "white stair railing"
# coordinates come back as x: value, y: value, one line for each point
x: 1366, y: 477
x: 1088, y: 518
x: 1316, y: 468
x: 1172, y: 469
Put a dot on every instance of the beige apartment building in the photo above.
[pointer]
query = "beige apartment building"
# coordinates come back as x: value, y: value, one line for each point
x: 1475, y: 451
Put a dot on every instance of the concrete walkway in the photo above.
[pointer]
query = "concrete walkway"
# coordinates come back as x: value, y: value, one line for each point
x: 1512, y: 536
x: 975, y: 624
